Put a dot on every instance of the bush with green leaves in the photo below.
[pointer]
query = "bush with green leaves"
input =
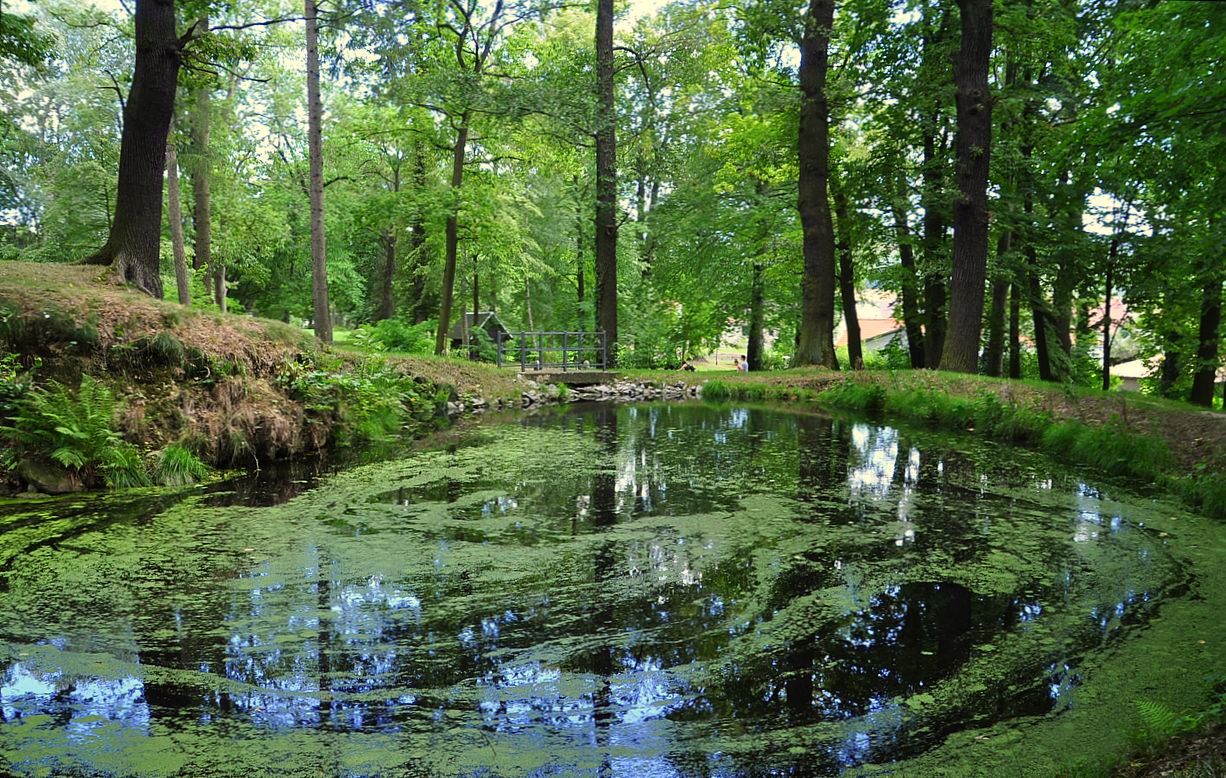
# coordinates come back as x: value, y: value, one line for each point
x: 397, y: 335
x: 367, y: 401
x: 76, y: 430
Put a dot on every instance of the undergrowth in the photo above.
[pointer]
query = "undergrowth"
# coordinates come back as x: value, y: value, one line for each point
x: 76, y: 431
x: 366, y: 401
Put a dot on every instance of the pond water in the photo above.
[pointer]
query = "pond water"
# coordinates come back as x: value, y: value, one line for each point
x: 613, y: 590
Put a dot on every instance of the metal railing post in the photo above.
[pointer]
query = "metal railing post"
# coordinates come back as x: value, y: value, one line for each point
x: 564, y: 335
x: 523, y: 357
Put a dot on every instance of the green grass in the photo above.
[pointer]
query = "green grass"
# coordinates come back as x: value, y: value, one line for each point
x: 177, y: 466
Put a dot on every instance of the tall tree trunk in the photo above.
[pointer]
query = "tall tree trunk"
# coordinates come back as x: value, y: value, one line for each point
x: 580, y: 280
x: 756, y: 317
x: 1015, y: 330
x: 202, y: 178
x: 1207, y: 362
x: 174, y: 207
x: 472, y: 335
x: 816, y: 334
x: 417, y: 240
x: 1109, y: 290
x: 935, y: 265
x: 1168, y: 375
x: 202, y: 216
x: 319, y: 262
x: 387, y: 279
x: 847, y: 281
x: 453, y: 236
x: 133, y: 247
x: 974, y: 143
x: 1000, y: 300
x: 910, y: 305
x: 606, y: 179
x: 387, y: 286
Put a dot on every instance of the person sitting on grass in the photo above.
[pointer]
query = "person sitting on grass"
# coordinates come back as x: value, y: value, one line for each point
x: 743, y: 364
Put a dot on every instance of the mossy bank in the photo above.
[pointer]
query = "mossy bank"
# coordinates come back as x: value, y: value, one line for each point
x: 1145, y: 441
x: 100, y: 385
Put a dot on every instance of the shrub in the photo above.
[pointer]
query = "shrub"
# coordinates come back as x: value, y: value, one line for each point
x: 368, y: 401
x: 76, y: 430
x: 177, y: 466
x: 397, y: 335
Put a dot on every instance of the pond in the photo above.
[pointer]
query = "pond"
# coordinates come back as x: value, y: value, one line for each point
x: 611, y: 590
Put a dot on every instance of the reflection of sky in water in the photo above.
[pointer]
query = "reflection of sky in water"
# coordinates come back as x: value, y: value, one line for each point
x: 83, y: 704
x: 632, y: 626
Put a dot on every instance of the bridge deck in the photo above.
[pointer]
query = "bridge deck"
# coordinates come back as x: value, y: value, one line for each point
x: 571, y: 377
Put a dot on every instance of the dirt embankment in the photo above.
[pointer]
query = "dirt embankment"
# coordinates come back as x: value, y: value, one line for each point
x: 236, y: 390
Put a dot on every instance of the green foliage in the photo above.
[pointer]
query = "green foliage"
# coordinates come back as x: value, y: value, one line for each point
x: 177, y: 466
x: 1159, y: 721
x: 397, y: 335
x: 14, y: 383
x: 364, y: 402
x: 76, y: 430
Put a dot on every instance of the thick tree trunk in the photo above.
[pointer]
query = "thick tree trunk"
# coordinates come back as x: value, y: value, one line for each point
x: 458, y: 152
x: 133, y: 247
x: 1015, y: 330
x: 319, y: 262
x: 996, y: 319
x: 910, y: 305
x: 816, y: 335
x: 174, y: 208
x: 970, y: 261
x: 606, y: 180
x: 417, y: 241
x: 756, y: 317
x: 847, y: 282
x: 1207, y: 362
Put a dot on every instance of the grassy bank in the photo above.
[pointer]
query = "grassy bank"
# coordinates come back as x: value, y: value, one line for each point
x: 100, y: 385
x: 1176, y: 447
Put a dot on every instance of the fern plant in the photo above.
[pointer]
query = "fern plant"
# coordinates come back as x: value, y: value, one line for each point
x: 76, y: 430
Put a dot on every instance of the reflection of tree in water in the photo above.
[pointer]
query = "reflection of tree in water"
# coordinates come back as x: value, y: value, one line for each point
x: 656, y: 618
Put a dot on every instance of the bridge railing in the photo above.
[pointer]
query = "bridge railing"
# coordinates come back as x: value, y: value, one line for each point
x: 549, y: 350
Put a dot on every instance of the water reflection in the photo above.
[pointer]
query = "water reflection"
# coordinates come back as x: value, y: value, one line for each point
x: 618, y: 590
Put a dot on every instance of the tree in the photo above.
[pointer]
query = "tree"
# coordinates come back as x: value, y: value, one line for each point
x: 815, y: 345
x: 606, y: 179
x: 319, y: 262
x: 974, y: 141
x: 175, y: 217
x: 132, y: 248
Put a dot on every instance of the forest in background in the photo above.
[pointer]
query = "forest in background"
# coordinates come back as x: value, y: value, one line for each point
x: 657, y: 173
